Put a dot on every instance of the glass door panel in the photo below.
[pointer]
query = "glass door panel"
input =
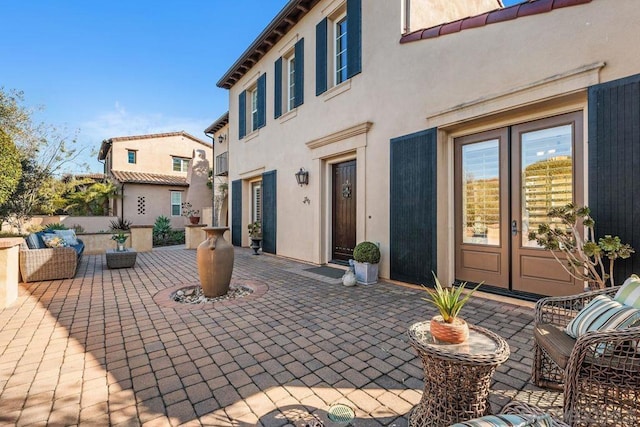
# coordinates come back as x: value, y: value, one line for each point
x: 481, y: 193
x: 547, y: 175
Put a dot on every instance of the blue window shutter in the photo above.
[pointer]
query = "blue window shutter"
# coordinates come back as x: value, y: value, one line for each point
x: 413, y: 206
x: 242, y: 114
x: 354, y: 37
x: 321, y: 57
x: 236, y: 213
x: 262, y: 100
x: 277, y: 88
x: 299, y: 74
x: 269, y: 211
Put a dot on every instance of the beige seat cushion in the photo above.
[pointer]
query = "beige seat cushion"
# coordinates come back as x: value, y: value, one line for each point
x: 555, y: 342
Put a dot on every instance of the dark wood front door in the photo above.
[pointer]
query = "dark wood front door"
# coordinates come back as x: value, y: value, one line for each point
x: 344, y: 211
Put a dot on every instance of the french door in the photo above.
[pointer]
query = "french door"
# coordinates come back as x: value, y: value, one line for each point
x: 506, y: 180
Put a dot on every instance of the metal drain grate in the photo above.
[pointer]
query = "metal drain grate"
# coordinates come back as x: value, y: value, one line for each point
x: 340, y: 413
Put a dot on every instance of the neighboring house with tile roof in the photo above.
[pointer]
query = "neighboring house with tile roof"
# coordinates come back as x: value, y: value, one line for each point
x: 151, y: 171
x: 441, y: 129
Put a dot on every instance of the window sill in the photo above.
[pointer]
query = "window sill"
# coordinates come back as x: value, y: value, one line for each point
x: 289, y: 115
x: 248, y: 137
x: 337, y: 90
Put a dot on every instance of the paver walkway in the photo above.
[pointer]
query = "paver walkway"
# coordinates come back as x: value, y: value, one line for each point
x: 98, y: 349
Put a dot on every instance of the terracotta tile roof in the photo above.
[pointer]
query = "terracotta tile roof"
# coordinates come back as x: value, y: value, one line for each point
x: 531, y: 7
x: 106, y: 144
x: 149, y: 178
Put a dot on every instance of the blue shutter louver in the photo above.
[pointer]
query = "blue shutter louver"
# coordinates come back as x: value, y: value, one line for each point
x: 321, y: 57
x: 354, y: 37
x: 299, y: 74
x: 413, y: 207
x: 242, y: 114
x: 277, y: 88
x: 236, y: 213
x: 262, y: 101
x: 269, y: 211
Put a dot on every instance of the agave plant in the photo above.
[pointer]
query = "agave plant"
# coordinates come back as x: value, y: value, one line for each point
x: 448, y: 301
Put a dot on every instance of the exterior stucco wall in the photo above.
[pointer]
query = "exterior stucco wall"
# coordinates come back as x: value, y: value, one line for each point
x: 157, y: 201
x: 154, y: 155
x: 427, y: 13
x: 221, y: 148
x: 504, y: 72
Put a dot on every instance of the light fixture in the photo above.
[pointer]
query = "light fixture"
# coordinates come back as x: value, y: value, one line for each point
x: 302, y: 177
x: 222, y: 138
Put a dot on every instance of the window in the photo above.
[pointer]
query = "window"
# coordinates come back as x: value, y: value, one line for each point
x: 176, y: 203
x: 252, y: 107
x: 180, y: 164
x: 131, y: 156
x: 253, y: 95
x: 256, y: 202
x: 339, y: 46
x: 289, y: 80
x: 291, y: 95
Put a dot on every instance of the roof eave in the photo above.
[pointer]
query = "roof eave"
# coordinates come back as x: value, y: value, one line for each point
x: 267, y: 39
x: 218, y: 124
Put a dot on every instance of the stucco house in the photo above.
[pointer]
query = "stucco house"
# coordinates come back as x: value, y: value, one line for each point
x: 151, y: 172
x: 218, y: 131
x: 440, y: 129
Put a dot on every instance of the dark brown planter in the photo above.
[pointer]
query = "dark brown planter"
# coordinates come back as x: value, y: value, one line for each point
x: 194, y: 220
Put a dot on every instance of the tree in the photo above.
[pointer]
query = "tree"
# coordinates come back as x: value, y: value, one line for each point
x: 10, y: 167
x: 44, y: 150
x: 91, y: 200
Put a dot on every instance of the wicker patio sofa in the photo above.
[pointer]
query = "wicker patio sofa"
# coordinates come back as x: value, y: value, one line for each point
x: 43, y: 263
x: 599, y: 371
x: 530, y: 416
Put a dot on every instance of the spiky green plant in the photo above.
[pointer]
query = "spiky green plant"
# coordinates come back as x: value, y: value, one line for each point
x: 448, y: 301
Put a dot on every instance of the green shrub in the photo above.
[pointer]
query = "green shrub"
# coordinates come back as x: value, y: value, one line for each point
x: 10, y: 234
x: 367, y: 252
x: 55, y: 226
x: 121, y: 225
x: 164, y: 235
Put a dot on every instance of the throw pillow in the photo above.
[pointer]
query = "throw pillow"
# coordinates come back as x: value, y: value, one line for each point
x: 629, y: 292
x: 33, y: 241
x: 53, y: 241
x: 510, y: 420
x: 603, y: 314
x: 69, y: 236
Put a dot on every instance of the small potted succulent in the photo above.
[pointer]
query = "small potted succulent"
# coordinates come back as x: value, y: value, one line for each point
x: 447, y: 326
x: 189, y: 212
x: 120, y: 238
x: 366, y: 256
x: 255, y: 234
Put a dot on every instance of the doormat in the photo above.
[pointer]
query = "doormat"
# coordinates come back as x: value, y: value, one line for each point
x: 333, y: 273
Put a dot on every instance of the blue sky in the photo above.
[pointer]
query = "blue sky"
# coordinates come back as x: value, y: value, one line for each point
x: 123, y: 67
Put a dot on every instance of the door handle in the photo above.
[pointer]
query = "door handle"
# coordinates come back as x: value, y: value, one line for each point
x: 514, y: 228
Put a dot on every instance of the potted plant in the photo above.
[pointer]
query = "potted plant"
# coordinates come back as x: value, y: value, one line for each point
x: 189, y: 212
x: 366, y: 256
x: 447, y: 326
x: 120, y: 238
x: 584, y: 258
x: 255, y: 234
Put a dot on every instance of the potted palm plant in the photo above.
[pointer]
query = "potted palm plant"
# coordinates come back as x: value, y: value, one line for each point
x: 447, y: 326
x: 366, y: 256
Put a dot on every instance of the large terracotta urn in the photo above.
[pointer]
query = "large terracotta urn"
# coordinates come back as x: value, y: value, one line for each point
x: 215, y: 262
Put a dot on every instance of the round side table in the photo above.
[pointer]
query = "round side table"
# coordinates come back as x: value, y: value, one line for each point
x: 457, y: 377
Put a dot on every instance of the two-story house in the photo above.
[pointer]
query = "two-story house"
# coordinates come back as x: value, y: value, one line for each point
x: 151, y: 173
x: 440, y: 129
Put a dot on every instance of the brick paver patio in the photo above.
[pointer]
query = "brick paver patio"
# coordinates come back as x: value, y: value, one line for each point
x: 99, y: 350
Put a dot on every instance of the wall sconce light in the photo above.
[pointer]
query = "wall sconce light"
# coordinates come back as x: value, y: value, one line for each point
x: 222, y: 138
x: 302, y: 177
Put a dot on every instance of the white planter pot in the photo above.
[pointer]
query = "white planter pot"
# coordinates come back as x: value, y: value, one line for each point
x: 366, y: 274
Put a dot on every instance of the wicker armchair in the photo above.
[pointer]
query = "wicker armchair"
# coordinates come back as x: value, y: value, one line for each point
x: 599, y: 388
x: 47, y: 264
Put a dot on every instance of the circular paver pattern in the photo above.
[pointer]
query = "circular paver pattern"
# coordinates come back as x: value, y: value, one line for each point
x: 241, y: 291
